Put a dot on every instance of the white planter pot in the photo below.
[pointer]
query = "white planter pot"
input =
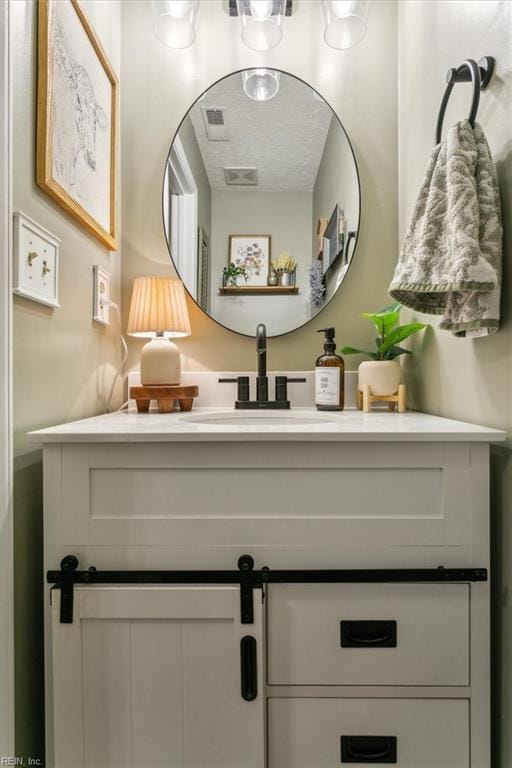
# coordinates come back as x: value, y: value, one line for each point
x: 382, y: 376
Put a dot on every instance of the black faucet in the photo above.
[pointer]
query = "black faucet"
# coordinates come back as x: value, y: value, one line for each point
x: 261, y: 350
x: 281, y: 398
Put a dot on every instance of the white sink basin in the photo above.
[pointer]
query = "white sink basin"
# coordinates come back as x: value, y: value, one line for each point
x: 267, y: 418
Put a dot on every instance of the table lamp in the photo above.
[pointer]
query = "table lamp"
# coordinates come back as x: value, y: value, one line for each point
x: 159, y: 311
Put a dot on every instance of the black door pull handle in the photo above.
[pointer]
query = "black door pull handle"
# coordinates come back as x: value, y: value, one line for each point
x: 368, y: 749
x: 368, y: 634
x: 367, y: 640
x: 248, y: 668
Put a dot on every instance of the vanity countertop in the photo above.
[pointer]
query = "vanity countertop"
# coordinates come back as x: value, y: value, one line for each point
x: 299, y: 425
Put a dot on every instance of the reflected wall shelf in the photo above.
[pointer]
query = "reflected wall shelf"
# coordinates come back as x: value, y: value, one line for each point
x: 258, y: 290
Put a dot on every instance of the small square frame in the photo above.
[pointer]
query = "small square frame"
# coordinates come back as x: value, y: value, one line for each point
x: 22, y: 286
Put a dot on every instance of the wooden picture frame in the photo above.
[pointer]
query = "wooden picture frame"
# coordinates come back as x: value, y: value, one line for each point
x: 240, y: 248
x: 76, y: 144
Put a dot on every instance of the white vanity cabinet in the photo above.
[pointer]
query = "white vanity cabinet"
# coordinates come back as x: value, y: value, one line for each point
x: 371, y: 670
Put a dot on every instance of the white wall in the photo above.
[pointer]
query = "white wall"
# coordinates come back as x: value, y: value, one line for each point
x: 463, y: 378
x: 286, y: 216
x: 160, y: 85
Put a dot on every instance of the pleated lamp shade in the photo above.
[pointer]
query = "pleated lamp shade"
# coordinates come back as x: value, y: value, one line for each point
x: 158, y: 306
x: 159, y: 311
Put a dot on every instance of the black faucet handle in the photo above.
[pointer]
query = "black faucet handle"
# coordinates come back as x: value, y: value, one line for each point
x: 262, y: 389
x: 282, y: 387
x: 242, y: 386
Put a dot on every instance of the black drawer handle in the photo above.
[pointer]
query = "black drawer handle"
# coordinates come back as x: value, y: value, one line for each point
x: 368, y: 634
x: 248, y: 668
x: 368, y: 749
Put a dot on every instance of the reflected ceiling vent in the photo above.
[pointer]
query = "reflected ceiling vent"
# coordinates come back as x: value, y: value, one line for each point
x: 241, y: 177
x: 214, y: 124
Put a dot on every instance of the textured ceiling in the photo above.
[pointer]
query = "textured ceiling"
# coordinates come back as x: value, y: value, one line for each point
x: 283, y: 138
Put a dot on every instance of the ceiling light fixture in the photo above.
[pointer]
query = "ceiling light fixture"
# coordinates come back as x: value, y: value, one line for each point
x: 345, y: 22
x: 261, y: 84
x: 174, y: 22
x: 261, y: 23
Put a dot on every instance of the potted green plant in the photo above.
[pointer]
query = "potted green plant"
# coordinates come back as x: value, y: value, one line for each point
x: 382, y: 372
x: 232, y: 273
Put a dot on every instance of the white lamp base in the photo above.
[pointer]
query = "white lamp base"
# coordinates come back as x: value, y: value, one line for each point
x: 160, y: 362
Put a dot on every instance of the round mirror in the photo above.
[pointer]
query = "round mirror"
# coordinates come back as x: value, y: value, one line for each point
x: 261, y: 202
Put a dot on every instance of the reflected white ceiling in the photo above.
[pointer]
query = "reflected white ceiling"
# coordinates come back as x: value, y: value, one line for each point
x: 283, y: 138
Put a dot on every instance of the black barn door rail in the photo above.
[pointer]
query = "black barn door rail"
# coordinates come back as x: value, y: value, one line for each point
x: 248, y: 578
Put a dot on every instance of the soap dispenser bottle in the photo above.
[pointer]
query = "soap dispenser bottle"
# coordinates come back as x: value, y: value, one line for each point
x: 329, y: 376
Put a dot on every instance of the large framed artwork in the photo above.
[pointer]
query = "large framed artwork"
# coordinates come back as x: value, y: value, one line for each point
x: 252, y: 253
x: 76, y: 119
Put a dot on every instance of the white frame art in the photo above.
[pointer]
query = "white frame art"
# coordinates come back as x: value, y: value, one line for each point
x: 240, y: 244
x: 46, y: 289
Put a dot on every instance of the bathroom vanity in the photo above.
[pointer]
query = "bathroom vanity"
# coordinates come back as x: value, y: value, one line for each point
x: 353, y: 647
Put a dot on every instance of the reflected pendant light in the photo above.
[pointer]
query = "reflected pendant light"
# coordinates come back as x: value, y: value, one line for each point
x: 261, y: 84
x: 261, y: 22
x: 174, y: 21
x: 345, y: 22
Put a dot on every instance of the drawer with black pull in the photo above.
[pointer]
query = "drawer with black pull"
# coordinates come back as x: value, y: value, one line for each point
x: 368, y: 634
x: 411, y: 733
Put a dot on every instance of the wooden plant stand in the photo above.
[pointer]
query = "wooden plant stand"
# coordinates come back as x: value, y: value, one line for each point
x: 166, y: 396
x: 365, y: 399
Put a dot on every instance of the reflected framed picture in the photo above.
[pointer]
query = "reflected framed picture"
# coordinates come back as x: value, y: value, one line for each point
x: 334, y: 239
x: 76, y: 119
x: 253, y: 254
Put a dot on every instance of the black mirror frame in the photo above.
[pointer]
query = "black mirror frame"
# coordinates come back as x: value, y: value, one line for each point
x: 301, y: 80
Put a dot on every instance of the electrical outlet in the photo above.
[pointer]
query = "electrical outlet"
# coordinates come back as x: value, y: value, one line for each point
x: 101, y: 295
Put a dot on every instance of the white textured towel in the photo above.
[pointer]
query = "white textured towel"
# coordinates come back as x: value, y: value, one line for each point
x: 450, y: 261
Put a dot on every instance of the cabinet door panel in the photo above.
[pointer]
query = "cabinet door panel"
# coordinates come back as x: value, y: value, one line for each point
x: 413, y: 733
x: 132, y: 691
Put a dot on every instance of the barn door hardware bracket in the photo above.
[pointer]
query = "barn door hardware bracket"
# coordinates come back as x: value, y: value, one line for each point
x: 246, y: 568
x: 250, y: 579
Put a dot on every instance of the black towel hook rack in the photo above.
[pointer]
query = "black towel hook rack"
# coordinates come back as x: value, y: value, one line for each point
x: 469, y: 71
